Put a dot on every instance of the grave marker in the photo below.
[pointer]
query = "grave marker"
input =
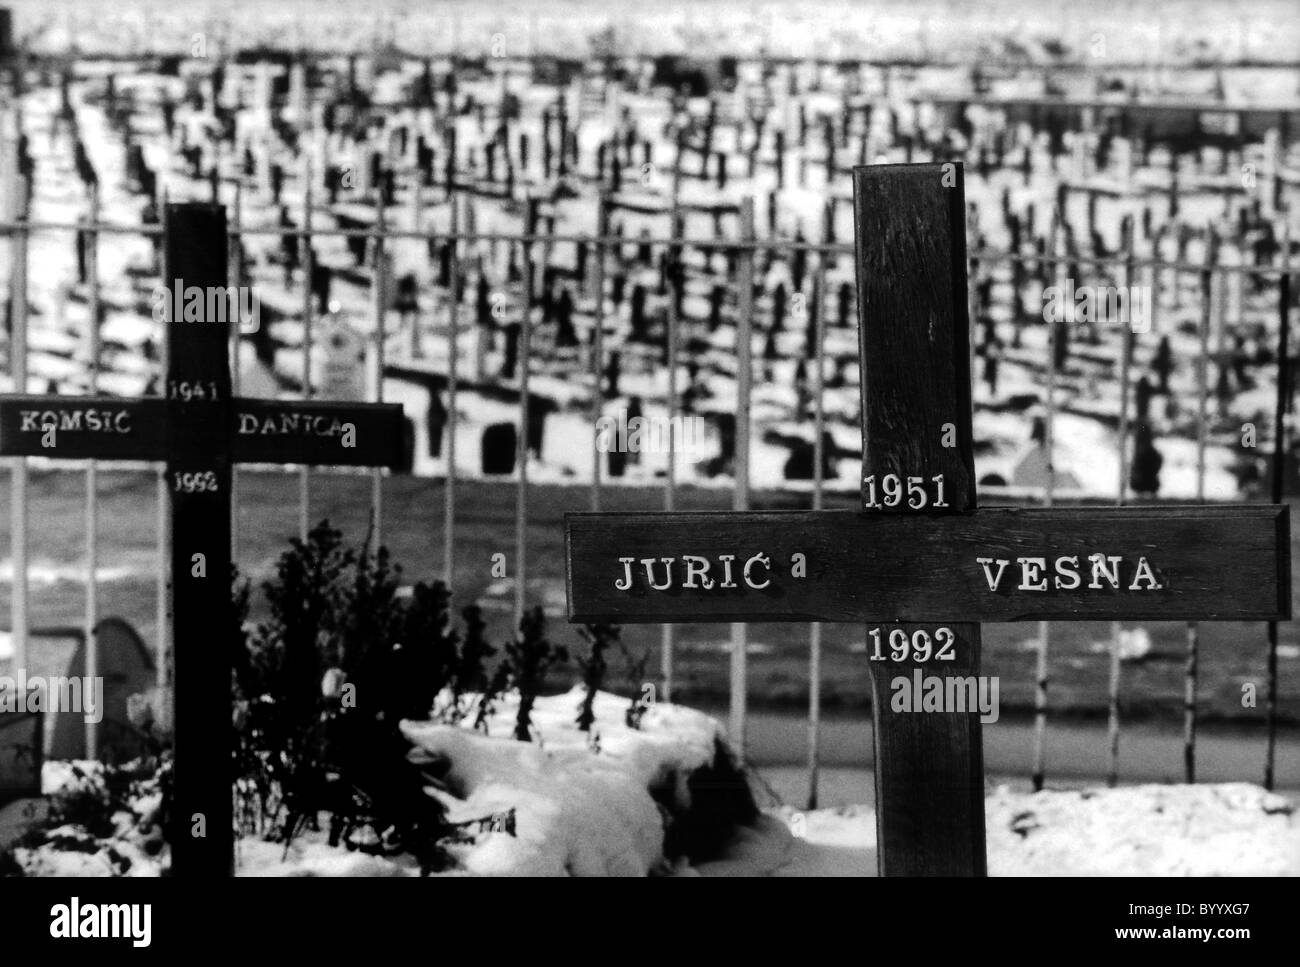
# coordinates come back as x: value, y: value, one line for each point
x: 200, y: 430
x: 21, y: 742
x: 920, y: 564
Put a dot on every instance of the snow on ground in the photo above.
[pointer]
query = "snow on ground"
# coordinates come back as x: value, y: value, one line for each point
x: 1201, y: 830
x: 587, y: 811
x: 311, y: 855
x: 1226, y: 829
x: 135, y: 847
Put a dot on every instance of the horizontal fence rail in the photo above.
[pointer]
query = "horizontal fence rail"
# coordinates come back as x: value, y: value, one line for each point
x: 737, y: 244
x: 984, y: 260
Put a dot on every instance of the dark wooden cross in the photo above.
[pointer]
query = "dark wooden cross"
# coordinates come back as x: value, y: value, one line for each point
x: 919, y: 564
x: 200, y: 431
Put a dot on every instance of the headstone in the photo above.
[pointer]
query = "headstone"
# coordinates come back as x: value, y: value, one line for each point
x: 21, y: 805
x: 500, y: 441
x: 127, y: 667
x: 801, y: 462
x: 21, y: 742
x: 7, y: 49
x: 338, y: 362
x: 510, y: 362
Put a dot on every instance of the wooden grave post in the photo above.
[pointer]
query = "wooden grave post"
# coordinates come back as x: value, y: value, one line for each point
x: 199, y: 430
x: 920, y: 564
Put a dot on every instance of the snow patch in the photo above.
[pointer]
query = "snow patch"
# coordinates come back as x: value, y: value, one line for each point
x: 577, y: 811
x: 1227, y: 829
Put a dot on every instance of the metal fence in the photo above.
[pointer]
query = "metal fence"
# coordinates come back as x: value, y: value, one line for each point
x: 744, y: 246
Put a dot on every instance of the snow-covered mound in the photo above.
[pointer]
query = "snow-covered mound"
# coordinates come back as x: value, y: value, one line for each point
x: 578, y: 811
x: 1228, y: 829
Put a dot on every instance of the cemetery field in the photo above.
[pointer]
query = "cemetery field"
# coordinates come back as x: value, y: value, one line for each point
x: 804, y: 236
x: 1152, y: 677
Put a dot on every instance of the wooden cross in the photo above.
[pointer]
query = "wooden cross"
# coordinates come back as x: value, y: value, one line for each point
x: 920, y: 564
x: 199, y: 430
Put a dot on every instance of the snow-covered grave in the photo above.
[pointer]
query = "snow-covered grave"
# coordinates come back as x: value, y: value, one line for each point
x: 587, y: 811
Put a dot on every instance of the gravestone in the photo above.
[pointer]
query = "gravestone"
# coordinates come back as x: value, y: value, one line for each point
x: 21, y: 805
x: 7, y: 49
x: 500, y: 440
x: 920, y: 564
x: 127, y: 667
x: 339, y: 361
x: 21, y: 741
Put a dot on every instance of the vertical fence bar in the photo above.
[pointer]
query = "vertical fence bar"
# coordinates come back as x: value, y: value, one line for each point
x: 1116, y: 627
x: 667, y: 632
x: 163, y: 613
x: 521, y: 443
x: 819, y: 455
x: 91, y: 241
x: 1279, y: 463
x: 308, y: 261
x: 1193, y: 629
x: 1044, y: 630
x: 414, y: 350
x: 1128, y: 337
x: 1112, y: 711
x: 379, y: 297
x: 1190, y: 672
x: 598, y: 357
x: 744, y: 385
x: 453, y: 352
x: 1203, y: 380
x: 234, y: 278
x: 18, y: 369
x: 1192, y: 660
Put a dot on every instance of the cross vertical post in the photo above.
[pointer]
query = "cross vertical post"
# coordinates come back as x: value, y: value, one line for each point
x: 198, y: 420
x: 916, y: 423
